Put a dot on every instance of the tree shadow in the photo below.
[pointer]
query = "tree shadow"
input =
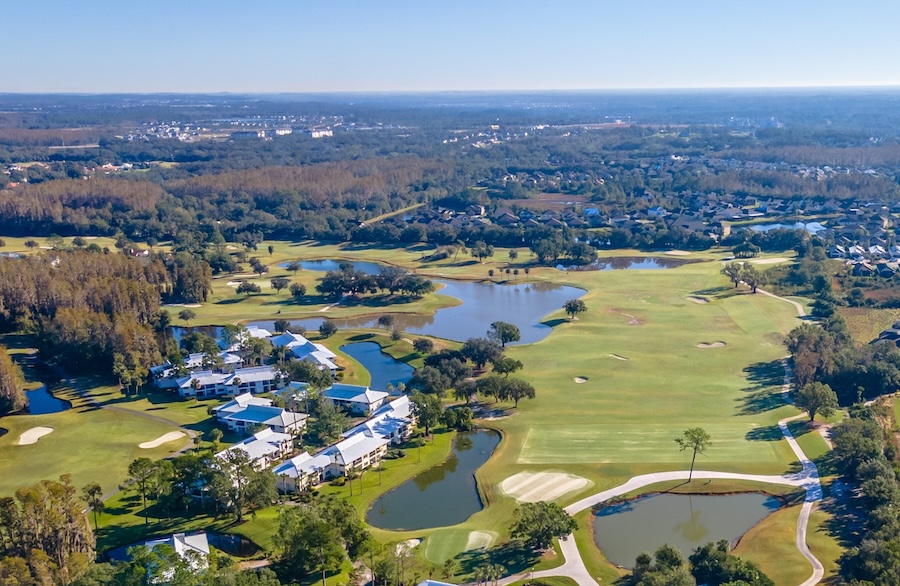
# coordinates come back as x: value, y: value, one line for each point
x: 769, y: 433
x: 230, y: 301
x: 555, y: 322
x: 514, y: 556
x: 360, y: 337
x: 712, y: 290
x: 764, y: 391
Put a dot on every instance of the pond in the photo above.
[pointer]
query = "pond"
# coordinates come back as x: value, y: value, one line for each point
x: 616, y: 263
x: 811, y: 227
x: 443, y: 495
x: 41, y: 401
x: 626, y: 530
x: 369, y: 268
x: 523, y: 304
x: 384, y: 368
x: 231, y: 544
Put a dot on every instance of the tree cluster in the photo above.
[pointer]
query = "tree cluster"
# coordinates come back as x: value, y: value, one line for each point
x: 711, y: 565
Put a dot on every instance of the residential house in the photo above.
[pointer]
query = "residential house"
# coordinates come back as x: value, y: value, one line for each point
x: 206, y: 383
x: 264, y: 448
x: 194, y: 549
x: 247, y: 413
x: 393, y: 421
x: 303, y: 349
x: 355, y: 398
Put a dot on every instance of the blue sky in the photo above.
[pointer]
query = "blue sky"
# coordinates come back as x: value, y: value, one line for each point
x: 428, y: 45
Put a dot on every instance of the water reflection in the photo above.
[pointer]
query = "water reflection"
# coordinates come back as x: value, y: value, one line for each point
x: 443, y: 495
x: 41, y: 401
x: 384, y: 369
x: 617, y: 263
x: 369, y: 268
x: 684, y: 521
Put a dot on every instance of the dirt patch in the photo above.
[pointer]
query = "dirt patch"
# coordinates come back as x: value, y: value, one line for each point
x: 580, y: 380
x: 706, y: 345
x: 530, y: 487
x: 618, y: 357
x: 701, y: 300
x: 163, y: 439
x: 33, y: 435
x: 632, y: 319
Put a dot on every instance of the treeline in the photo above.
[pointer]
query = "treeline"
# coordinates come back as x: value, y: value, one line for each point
x: 91, y: 311
x: 45, y: 538
x: 346, y: 281
x: 12, y: 385
x: 711, y: 565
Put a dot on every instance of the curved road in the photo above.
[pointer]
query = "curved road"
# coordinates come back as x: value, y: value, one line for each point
x: 807, y: 477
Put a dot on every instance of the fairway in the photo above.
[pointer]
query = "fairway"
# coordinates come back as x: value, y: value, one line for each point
x: 651, y: 443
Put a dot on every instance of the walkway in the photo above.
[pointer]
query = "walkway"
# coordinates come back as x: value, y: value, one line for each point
x: 807, y: 478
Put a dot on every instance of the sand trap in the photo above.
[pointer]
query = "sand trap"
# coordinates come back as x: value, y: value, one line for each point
x: 531, y: 487
x: 678, y: 252
x: 479, y: 540
x: 698, y: 299
x: 617, y: 357
x: 231, y: 247
x: 769, y: 261
x: 163, y: 439
x: 408, y: 544
x: 704, y: 345
x: 192, y: 305
x: 33, y: 435
x: 90, y: 237
x: 580, y: 380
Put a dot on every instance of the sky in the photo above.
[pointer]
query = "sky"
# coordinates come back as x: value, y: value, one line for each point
x: 263, y: 46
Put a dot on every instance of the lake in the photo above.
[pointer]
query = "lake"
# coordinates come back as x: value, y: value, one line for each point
x: 523, y: 304
x: 41, y: 402
x: 384, y: 368
x: 811, y: 227
x: 443, y: 495
x: 626, y: 530
x: 369, y: 268
x: 617, y: 263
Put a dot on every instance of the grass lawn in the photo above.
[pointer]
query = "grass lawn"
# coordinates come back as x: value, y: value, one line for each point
x: 771, y: 545
x: 91, y: 444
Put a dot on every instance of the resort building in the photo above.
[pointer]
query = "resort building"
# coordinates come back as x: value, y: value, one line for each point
x: 264, y: 447
x: 303, y: 349
x: 206, y: 383
x: 246, y: 413
x: 357, y: 399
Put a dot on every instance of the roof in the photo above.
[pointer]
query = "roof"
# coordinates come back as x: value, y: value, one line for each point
x: 182, y: 542
x: 303, y: 465
x: 267, y: 416
x: 242, y: 401
x: 386, y: 420
x: 261, y: 444
x: 353, y: 393
x: 356, y: 446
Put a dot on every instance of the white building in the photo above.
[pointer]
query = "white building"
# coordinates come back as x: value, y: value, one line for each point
x: 206, y: 383
x: 194, y: 549
x: 303, y: 349
x: 355, y: 398
x: 264, y: 447
x: 393, y: 421
x: 246, y: 412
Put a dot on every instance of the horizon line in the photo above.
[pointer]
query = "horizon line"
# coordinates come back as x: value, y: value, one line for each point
x: 457, y: 91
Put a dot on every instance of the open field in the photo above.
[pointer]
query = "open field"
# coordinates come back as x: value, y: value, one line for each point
x: 866, y: 323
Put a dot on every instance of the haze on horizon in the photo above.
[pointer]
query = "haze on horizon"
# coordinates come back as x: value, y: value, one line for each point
x: 403, y: 45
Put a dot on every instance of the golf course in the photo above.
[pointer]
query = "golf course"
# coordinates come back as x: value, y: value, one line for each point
x: 658, y: 351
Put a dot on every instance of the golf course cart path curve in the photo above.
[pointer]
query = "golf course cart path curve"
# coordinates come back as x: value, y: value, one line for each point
x: 807, y: 477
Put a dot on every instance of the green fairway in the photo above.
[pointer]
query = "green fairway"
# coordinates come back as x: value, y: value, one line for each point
x: 91, y: 444
x: 645, y: 444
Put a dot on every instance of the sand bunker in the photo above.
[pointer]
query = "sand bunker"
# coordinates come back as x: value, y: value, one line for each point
x: 192, y: 305
x: 479, y: 540
x: 531, y: 487
x: 33, y: 435
x: 407, y: 545
x: 705, y: 345
x: 617, y: 357
x: 580, y: 380
x: 678, y: 252
x: 769, y: 261
x: 163, y: 439
x: 698, y: 299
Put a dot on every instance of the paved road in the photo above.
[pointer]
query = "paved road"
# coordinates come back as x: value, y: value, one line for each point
x: 807, y: 477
